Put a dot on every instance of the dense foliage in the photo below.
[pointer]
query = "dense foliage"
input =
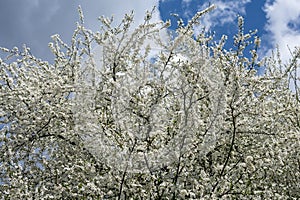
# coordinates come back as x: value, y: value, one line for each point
x: 149, y: 116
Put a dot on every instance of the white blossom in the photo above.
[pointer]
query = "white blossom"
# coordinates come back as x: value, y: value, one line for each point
x: 186, y: 119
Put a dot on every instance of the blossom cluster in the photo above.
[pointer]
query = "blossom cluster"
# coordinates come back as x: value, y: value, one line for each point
x: 149, y: 116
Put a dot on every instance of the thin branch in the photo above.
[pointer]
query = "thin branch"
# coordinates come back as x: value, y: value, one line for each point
x: 231, y: 145
x: 125, y: 171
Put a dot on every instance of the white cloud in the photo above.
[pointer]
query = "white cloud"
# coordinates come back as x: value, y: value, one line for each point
x: 186, y: 1
x: 33, y: 21
x: 225, y: 12
x: 282, y: 17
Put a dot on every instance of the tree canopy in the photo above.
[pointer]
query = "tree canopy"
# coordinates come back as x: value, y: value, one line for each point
x: 149, y: 116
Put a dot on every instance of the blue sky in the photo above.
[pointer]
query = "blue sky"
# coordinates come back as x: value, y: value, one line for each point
x: 33, y: 21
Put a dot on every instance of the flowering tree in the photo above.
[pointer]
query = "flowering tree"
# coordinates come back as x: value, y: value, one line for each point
x: 149, y: 116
